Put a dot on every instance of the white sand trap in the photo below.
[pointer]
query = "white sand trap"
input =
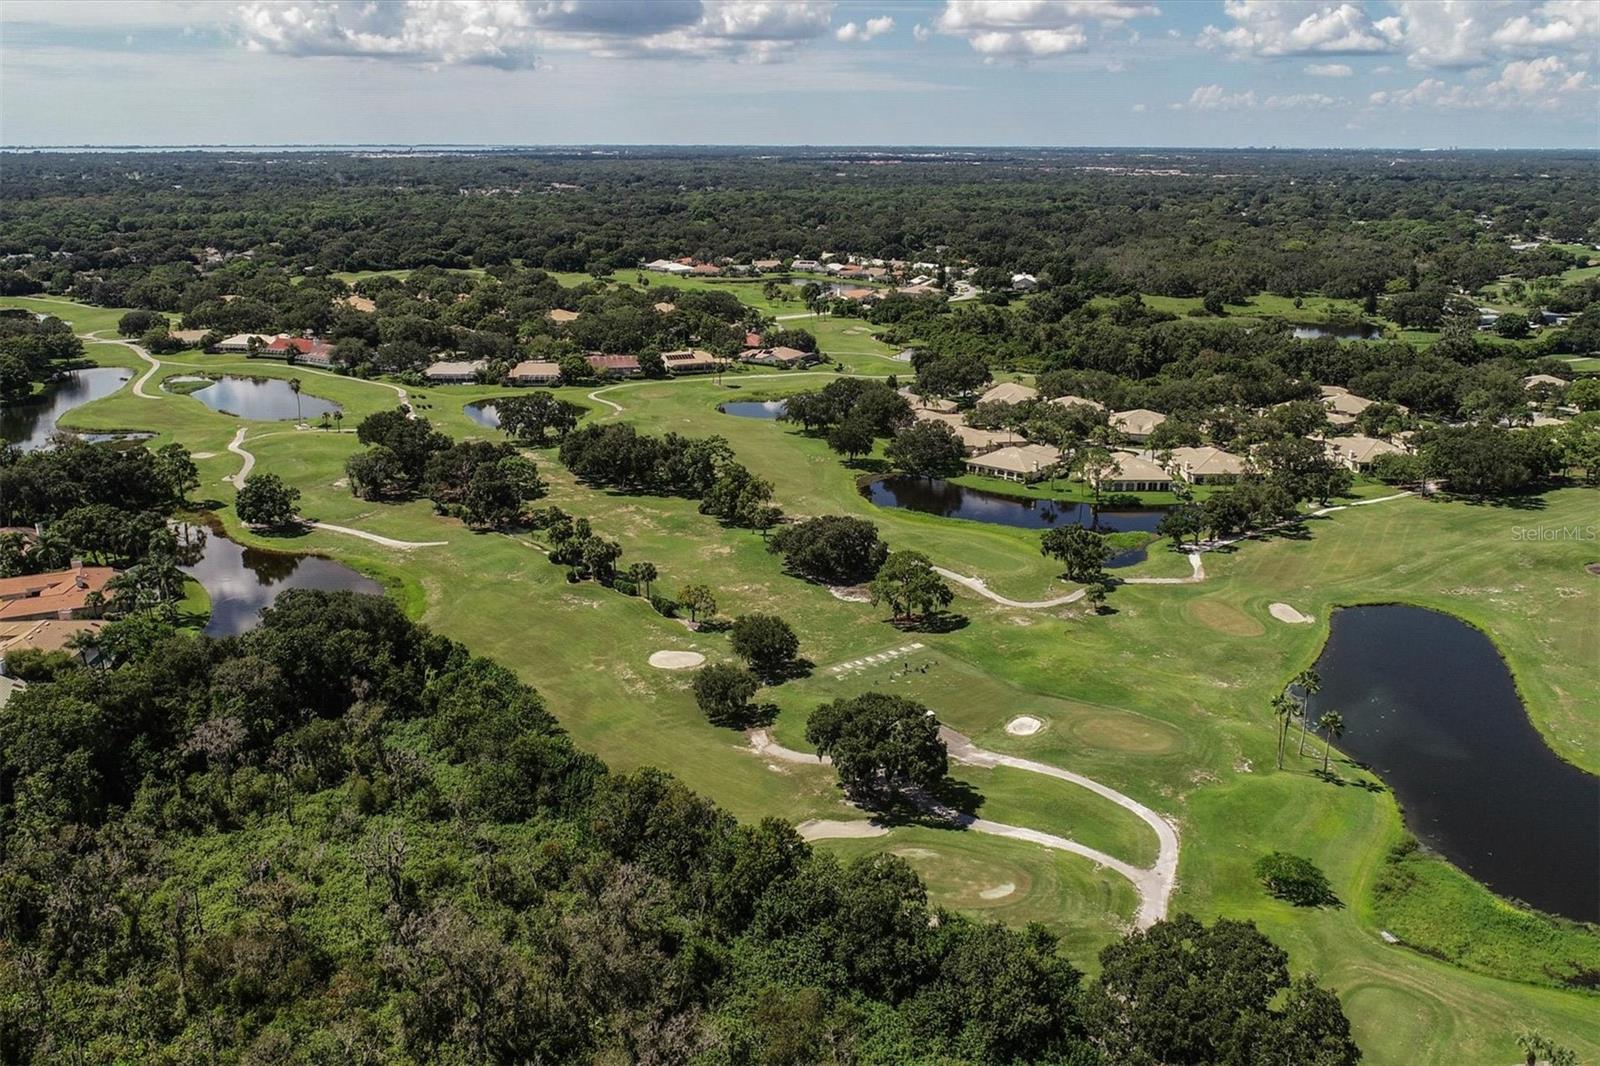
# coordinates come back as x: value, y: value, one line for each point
x: 1024, y: 725
x: 850, y: 593
x: 998, y: 891
x: 676, y: 660
x: 825, y: 829
x: 203, y: 455
x: 1284, y: 613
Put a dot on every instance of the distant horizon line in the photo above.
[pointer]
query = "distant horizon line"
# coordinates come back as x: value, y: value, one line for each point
x: 818, y: 146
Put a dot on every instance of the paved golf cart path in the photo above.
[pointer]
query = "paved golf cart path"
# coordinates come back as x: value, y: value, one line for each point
x: 1154, y: 884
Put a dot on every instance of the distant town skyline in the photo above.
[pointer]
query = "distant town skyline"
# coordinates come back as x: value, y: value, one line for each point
x: 1286, y: 73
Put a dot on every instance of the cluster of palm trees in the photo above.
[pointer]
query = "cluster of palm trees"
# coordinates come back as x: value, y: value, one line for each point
x: 1287, y: 707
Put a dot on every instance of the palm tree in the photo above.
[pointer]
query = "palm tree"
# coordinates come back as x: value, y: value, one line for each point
x: 294, y: 387
x: 1332, y: 724
x: 338, y: 421
x: 1309, y: 682
x: 1283, y: 709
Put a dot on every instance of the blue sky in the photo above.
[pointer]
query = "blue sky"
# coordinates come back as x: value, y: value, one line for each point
x: 1297, y: 73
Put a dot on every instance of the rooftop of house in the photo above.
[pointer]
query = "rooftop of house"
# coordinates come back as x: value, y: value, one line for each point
x: 1140, y: 420
x: 1019, y: 458
x: 535, y: 368
x: 455, y: 369
x: 599, y: 360
x: 1070, y: 400
x: 1535, y: 380
x: 1363, y: 449
x: 1009, y: 392
x: 1208, y: 461
x: 42, y: 634
x: 1134, y: 467
x: 53, y: 594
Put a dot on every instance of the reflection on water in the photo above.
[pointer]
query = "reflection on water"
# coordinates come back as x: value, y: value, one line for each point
x: 769, y: 409
x: 484, y: 414
x: 945, y: 498
x: 31, y: 425
x: 1429, y: 705
x: 265, y: 399
x: 1344, y: 331
x: 242, y: 581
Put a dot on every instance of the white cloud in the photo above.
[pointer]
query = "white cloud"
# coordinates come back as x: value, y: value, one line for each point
x: 1556, y: 23
x: 921, y: 33
x: 509, y: 33
x: 1299, y: 27
x: 1216, y: 98
x: 1027, y: 29
x: 1140, y: 108
x: 1329, y: 70
x: 499, y: 35
x: 876, y: 27
x: 1547, y: 83
x: 1030, y: 43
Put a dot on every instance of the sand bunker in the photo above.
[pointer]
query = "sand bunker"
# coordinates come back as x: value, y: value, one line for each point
x: 850, y: 593
x: 824, y: 829
x: 676, y: 660
x: 1284, y: 613
x: 998, y: 891
x: 1024, y: 725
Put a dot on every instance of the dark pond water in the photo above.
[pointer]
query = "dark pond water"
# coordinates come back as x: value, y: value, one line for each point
x: 30, y: 425
x: 980, y: 505
x: 1430, y: 706
x: 484, y: 414
x: 1131, y: 557
x: 769, y: 409
x: 266, y: 399
x: 243, y: 581
x: 1361, y: 331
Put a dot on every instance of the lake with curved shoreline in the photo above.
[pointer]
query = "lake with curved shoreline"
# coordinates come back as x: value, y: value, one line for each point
x: 31, y: 425
x: 1430, y: 707
x: 260, y: 399
x: 242, y: 582
x: 950, y: 500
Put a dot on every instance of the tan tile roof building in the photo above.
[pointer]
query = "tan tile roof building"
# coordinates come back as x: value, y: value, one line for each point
x: 1018, y: 462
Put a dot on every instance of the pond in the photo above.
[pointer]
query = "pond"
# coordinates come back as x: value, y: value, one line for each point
x: 769, y: 409
x: 264, y: 399
x: 1429, y: 705
x: 945, y: 498
x: 30, y: 425
x: 243, y: 581
x: 484, y: 414
x: 1343, y: 331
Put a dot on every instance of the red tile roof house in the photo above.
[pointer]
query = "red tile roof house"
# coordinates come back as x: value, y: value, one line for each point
x: 60, y: 594
x: 706, y: 270
x: 625, y: 366
x: 306, y: 350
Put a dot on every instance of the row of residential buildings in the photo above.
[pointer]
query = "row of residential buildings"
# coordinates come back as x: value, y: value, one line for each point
x: 683, y: 361
x: 1001, y: 454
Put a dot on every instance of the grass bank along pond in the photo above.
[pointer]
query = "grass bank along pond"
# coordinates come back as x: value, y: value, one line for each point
x: 1429, y: 705
x: 242, y: 582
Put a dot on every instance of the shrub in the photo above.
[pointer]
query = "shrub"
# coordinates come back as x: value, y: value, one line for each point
x: 1295, y: 880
